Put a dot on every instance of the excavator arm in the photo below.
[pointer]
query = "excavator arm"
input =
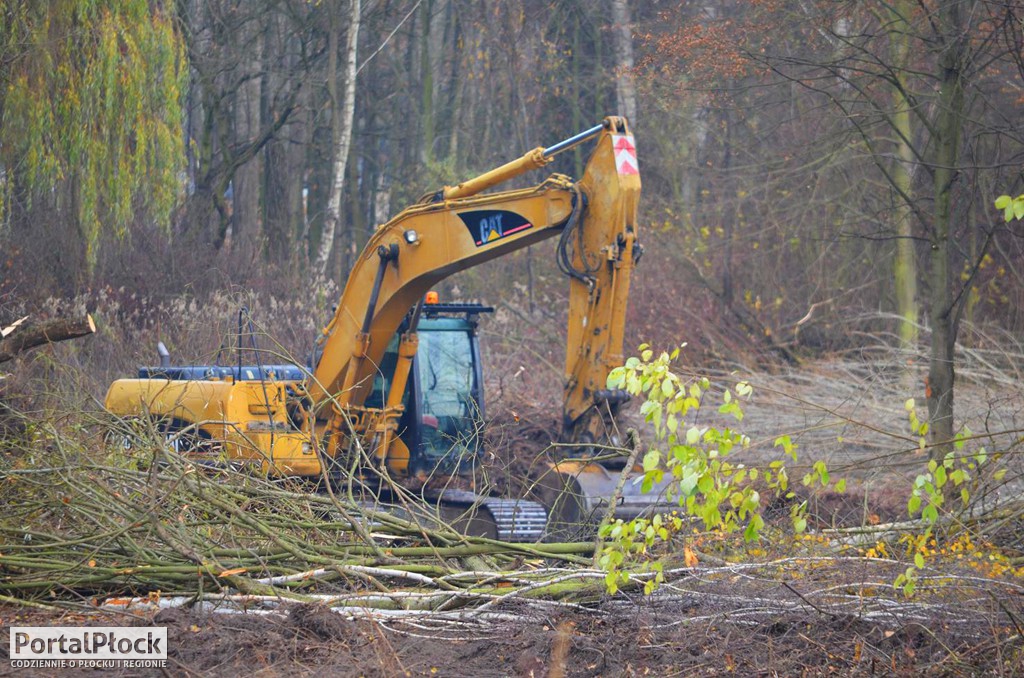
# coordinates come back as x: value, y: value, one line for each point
x: 458, y: 228
x: 599, y: 258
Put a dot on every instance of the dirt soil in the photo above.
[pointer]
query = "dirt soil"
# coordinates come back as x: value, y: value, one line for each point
x: 621, y: 638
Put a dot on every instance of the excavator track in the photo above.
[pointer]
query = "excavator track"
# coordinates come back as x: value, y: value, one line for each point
x: 512, y: 520
x: 466, y: 512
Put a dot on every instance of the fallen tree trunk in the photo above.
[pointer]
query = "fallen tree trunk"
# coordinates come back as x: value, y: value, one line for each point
x: 47, y: 332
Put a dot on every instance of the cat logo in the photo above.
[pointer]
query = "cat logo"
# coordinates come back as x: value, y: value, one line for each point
x: 490, y: 228
x: 487, y: 226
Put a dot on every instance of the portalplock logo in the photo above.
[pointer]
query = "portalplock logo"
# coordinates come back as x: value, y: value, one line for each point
x: 84, y: 646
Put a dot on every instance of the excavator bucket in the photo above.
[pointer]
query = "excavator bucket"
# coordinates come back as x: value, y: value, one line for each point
x: 578, y: 495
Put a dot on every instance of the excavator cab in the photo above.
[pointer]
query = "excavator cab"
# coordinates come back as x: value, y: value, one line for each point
x: 443, y: 403
x: 442, y: 422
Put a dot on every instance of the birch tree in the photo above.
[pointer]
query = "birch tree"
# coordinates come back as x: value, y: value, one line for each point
x: 343, y: 114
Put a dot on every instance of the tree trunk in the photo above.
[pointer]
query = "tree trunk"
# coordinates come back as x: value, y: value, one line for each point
x: 284, y: 161
x: 625, y: 87
x: 342, y: 142
x: 905, y: 263
x: 59, y: 329
x: 245, y: 218
x: 941, y: 313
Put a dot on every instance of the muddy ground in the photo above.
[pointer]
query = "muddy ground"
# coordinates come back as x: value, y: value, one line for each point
x: 626, y: 638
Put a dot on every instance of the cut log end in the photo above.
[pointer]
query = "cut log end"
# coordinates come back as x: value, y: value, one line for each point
x: 32, y: 335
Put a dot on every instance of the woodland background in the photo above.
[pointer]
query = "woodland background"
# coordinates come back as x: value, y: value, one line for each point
x: 817, y: 212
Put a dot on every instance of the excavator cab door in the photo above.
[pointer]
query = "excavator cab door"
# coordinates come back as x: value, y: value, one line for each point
x: 444, y: 411
x: 446, y: 379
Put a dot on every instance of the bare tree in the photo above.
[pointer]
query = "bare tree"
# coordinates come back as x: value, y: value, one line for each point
x: 341, y: 127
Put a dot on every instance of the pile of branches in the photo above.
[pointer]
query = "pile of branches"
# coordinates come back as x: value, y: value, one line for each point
x: 88, y: 518
x: 91, y: 521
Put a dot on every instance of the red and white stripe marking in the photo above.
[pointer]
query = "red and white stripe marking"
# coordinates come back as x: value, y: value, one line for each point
x: 625, y: 154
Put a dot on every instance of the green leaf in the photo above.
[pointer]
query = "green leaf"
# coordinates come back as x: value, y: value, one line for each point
x: 753, y: 528
x: 652, y: 459
x: 919, y: 560
x: 909, y: 405
x: 841, y: 486
x: 1003, y: 201
x: 688, y: 483
x: 787, y: 446
x: 1018, y: 209
x: 822, y: 471
x: 914, y: 504
x: 743, y: 389
x: 731, y: 408
x: 616, y: 378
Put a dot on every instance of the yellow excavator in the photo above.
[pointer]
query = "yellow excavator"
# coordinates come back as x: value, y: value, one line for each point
x: 395, y: 390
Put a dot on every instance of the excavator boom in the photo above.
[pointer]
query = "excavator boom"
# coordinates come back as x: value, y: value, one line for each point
x: 458, y: 228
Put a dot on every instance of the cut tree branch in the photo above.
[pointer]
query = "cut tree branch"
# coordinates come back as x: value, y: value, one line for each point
x: 47, y: 332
